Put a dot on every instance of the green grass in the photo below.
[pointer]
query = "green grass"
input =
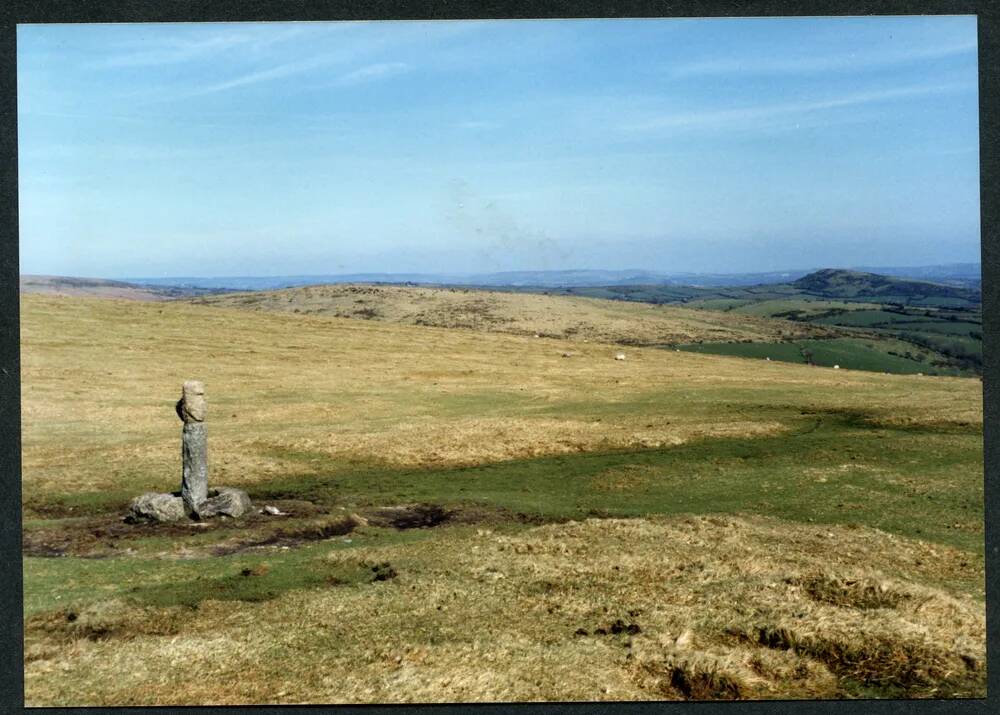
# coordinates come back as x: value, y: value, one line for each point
x: 52, y: 583
x: 785, y: 352
x: 835, y: 468
x: 945, y: 327
x: 807, y: 306
x: 899, y: 480
x: 855, y: 354
x: 832, y: 468
x: 866, y: 318
x: 849, y: 353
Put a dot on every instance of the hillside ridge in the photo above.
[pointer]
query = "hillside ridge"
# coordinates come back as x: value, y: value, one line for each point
x: 520, y: 313
x: 842, y: 283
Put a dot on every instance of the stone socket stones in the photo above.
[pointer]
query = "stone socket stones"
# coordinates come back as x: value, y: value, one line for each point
x: 155, y: 507
x: 225, y: 501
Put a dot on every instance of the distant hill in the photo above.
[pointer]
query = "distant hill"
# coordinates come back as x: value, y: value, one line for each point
x: 520, y: 313
x: 967, y: 275
x: 961, y: 274
x: 828, y: 283
x: 503, y: 279
x: 90, y: 287
x: 102, y: 288
x: 886, y: 323
x: 832, y: 283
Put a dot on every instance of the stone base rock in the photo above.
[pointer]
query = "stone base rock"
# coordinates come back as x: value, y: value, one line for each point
x: 225, y: 501
x: 155, y: 507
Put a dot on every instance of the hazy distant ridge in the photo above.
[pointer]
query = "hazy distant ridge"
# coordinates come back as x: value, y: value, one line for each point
x: 962, y: 274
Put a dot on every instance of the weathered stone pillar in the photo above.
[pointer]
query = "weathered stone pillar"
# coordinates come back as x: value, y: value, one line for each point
x: 194, y: 447
x: 194, y: 500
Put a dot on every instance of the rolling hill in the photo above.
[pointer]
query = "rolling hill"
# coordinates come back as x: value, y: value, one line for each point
x: 885, y: 323
x: 90, y: 287
x: 577, y: 318
x: 825, y: 284
x: 855, y: 285
x: 103, y: 288
x: 960, y: 274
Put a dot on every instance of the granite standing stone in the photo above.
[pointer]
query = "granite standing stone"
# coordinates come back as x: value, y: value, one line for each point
x: 192, y: 409
x: 194, y: 499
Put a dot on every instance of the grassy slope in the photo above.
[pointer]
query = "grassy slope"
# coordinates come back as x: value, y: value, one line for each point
x: 352, y: 413
x: 754, y: 314
x: 591, y: 319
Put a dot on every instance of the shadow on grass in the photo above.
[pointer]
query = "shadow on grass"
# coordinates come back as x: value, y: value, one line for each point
x: 834, y: 466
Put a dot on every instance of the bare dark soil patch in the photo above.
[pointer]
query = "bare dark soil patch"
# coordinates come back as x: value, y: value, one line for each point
x: 282, y: 537
x: 108, y: 535
x: 409, y: 516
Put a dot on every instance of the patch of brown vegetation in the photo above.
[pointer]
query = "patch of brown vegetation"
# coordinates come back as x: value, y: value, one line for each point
x: 860, y: 593
x: 102, y: 620
x: 567, y: 317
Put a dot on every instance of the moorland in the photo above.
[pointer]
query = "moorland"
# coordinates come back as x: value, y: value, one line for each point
x: 479, y: 502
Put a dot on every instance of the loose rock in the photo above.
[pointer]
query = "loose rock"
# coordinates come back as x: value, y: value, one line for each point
x: 153, y: 507
x: 225, y: 501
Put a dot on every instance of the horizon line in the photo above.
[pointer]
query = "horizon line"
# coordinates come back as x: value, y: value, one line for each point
x: 503, y: 272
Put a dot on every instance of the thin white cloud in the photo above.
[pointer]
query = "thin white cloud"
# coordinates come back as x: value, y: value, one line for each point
x: 277, y: 72
x: 765, y: 114
x: 851, y: 61
x: 175, y: 50
x: 371, y: 73
x: 267, y: 48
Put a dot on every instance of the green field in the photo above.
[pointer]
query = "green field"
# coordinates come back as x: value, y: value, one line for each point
x: 891, y: 317
x: 848, y: 353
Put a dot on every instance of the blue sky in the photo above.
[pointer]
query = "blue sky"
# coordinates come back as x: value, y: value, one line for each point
x: 716, y: 145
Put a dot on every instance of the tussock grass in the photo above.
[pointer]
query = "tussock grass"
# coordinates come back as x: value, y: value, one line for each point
x: 855, y: 593
x: 480, y: 615
x: 111, y: 618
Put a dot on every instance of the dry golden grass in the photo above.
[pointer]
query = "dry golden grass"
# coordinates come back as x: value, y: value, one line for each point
x: 582, y: 319
x: 703, y: 608
x: 99, y: 379
x: 725, y: 607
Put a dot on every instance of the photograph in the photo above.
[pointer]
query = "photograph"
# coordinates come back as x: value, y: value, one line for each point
x: 501, y: 360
